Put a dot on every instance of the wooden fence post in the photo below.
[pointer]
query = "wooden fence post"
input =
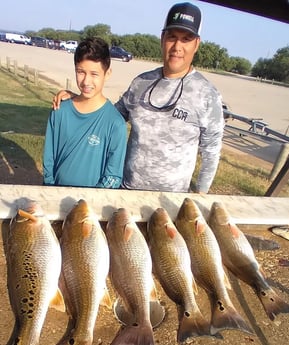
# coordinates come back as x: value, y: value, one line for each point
x: 36, y: 77
x: 26, y: 72
x: 68, y: 84
x: 15, y: 67
x: 279, y: 181
x: 281, y: 159
x: 8, y: 63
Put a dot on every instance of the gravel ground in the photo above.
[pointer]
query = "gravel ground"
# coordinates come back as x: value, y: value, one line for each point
x: 266, y: 332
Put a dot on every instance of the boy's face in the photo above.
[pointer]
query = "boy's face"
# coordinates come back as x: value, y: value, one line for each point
x: 90, y: 78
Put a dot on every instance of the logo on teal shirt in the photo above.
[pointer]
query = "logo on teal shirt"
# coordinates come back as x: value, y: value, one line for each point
x: 93, y: 140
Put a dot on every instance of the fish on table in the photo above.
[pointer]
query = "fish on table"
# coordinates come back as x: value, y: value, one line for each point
x: 33, y: 267
x: 85, y: 266
x: 207, y: 267
x: 131, y: 276
x: 238, y: 256
x: 172, y: 267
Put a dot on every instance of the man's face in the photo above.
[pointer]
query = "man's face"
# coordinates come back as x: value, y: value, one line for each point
x: 178, y: 49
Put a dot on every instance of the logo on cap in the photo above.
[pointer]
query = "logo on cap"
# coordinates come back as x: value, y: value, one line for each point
x: 183, y: 16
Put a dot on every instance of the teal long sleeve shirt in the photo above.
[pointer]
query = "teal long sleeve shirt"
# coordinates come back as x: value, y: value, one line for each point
x: 86, y: 150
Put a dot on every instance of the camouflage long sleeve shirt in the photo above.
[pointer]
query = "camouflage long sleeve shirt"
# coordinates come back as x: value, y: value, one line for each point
x: 171, y: 121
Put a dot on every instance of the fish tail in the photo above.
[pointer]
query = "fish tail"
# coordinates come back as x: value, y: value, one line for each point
x: 227, y: 317
x: 272, y: 303
x: 135, y: 335
x: 20, y: 341
x: 72, y: 339
x: 192, y: 325
x: 13, y: 336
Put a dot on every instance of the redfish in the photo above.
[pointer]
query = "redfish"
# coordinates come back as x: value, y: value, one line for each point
x: 131, y: 276
x: 172, y: 267
x: 238, y: 256
x: 33, y: 267
x: 85, y: 267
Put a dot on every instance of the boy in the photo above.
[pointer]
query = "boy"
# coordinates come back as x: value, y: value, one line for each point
x: 85, y: 140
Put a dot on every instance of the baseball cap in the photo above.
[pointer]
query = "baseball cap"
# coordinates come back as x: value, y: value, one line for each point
x: 184, y: 16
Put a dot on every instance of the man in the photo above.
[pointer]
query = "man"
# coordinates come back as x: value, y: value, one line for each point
x: 174, y: 113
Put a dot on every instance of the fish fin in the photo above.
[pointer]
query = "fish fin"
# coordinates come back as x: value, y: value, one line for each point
x: 86, y: 228
x: 57, y: 302
x: 106, y: 300
x: 170, y: 230
x: 192, y: 324
x: 262, y: 272
x: 234, y: 230
x: 195, y: 286
x: 27, y: 215
x: 272, y: 303
x: 226, y: 317
x: 200, y: 226
x: 227, y: 281
x: 135, y: 334
x: 128, y: 231
x: 153, y: 293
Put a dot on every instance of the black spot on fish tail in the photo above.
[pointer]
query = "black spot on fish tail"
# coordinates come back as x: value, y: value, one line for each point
x: 272, y: 303
x: 226, y: 317
x: 192, y: 325
x: 134, y: 335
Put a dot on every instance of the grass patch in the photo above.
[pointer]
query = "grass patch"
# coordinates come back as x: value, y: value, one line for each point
x: 24, y: 110
x: 24, y: 107
x: 243, y: 179
x: 237, y: 177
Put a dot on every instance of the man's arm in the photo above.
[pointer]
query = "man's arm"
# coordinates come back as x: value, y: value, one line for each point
x: 61, y: 95
x: 210, y: 141
x: 121, y: 105
x: 210, y: 149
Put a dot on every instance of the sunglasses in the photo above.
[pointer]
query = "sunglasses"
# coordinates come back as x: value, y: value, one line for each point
x: 171, y: 105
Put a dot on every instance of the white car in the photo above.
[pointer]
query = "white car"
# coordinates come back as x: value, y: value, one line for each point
x: 70, y: 46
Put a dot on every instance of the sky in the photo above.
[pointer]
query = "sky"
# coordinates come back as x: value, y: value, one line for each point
x: 242, y: 34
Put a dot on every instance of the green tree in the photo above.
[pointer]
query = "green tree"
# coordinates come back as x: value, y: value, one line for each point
x: 99, y: 30
x: 211, y: 55
x: 280, y: 65
x: 141, y: 45
x: 276, y: 68
x: 261, y: 68
x: 240, y: 65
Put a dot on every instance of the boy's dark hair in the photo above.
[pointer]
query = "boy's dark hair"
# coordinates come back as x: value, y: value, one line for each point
x: 94, y: 49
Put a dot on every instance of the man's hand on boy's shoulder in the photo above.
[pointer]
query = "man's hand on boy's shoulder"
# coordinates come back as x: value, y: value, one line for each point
x: 61, y: 95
